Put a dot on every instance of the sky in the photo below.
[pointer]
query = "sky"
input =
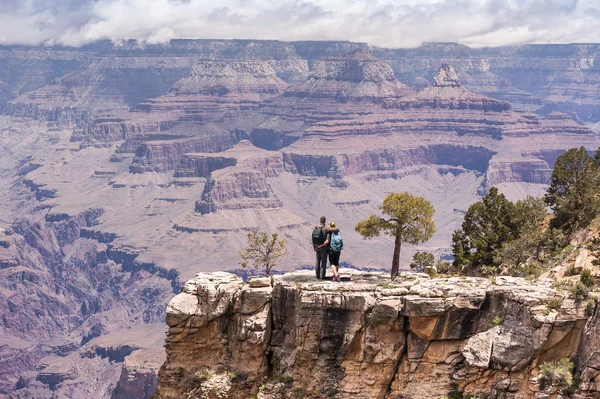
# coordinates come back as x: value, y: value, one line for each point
x: 384, y: 23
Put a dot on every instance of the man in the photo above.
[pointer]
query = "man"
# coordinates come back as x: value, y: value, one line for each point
x: 321, y: 246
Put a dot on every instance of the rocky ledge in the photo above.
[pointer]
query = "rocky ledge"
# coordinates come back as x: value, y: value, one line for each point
x: 292, y: 336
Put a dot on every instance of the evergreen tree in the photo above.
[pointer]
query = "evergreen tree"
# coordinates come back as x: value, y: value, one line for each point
x: 574, y: 188
x: 487, y: 225
x: 422, y: 261
x: 409, y: 220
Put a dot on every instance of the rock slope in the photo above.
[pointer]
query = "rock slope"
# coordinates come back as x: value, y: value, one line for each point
x: 292, y: 336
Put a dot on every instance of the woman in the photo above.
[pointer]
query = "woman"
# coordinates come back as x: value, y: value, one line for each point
x: 335, y: 249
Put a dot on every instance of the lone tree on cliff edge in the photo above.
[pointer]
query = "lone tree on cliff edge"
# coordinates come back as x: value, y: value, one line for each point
x: 409, y: 221
x: 262, y: 251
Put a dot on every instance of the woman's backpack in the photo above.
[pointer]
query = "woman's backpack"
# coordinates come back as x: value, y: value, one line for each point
x: 337, y: 244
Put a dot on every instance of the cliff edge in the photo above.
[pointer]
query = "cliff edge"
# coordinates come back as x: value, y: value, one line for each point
x: 291, y: 336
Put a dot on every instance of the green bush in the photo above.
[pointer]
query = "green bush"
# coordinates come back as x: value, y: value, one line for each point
x: 555, y: 303
x: 430, y: 271
x: 442, y: 266
x: 571, y: 271
x: 203, y: 375
x: 590, y: 307
x: 497, y: 321
x: 559, y: 373
x: 579, y: 291
x: 587, y: 278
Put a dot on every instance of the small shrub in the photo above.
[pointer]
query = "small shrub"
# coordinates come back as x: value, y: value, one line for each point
x: 430, y: 271
x: 571, y: 271
x: 547, y: 311
x: 571, y: 389
x: 422, y: 261
x: 387, y: 286
x: 497, y: 321
x: 587, y: 278
x: 590, y: 307
x: 532, y: 269
x: 555, y: 303
x: 442, y: 266
x: 559, y: 373
x: 579, y: 291
x: 203, y: 375
x: 563, y: 285
x: 238, y: 376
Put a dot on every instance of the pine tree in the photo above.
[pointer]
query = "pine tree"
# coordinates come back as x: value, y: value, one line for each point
x: 574, y: 188
x: 409, y: 220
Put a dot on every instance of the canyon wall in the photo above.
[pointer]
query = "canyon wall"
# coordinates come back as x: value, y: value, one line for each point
x: 291, y: 336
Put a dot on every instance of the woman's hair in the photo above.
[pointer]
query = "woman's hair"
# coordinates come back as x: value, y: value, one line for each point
x: 332, y: 225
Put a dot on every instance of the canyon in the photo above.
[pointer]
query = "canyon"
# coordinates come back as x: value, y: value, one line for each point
x: 125, y: 169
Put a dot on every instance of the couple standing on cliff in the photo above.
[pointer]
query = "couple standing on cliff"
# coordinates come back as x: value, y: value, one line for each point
x: 327, y: 240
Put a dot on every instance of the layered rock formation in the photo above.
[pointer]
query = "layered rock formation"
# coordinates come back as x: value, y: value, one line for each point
x: 243, y: 154
x: 138, y: 131
x: 339, y: 88
x: 443, y: 124
x: 237, y: 188
x: 290, y: 336
x: 555, y: 77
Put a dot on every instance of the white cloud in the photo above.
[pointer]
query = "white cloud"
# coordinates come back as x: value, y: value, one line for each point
x: 389, y: 23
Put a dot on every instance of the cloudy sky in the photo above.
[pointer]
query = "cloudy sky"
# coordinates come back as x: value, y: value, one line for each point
x: 389, y: 23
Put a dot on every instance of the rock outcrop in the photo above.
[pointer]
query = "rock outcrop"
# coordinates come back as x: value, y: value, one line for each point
x: 368, y: 338
x: 237, y: 188
x: 243, y: 154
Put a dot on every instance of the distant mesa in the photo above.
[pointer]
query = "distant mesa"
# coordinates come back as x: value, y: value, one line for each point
x: 235, y: 188
x: 354, y: 76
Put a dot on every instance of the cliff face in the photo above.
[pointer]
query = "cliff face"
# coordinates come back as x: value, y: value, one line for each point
x: 64, y: 305
x: 414, y: 337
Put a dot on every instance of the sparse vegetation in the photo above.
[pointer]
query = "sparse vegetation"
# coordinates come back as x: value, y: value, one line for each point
x: 442, y: 266
x: 387, y: 286
x: 586, y: 278
x: 262, y: 251
x: 497, y: 321
x: 563, y: 285
x: 555, y: 303
x: 237, y: 376
x: 559, y: 374
x: 571, y: 271
x: 594, y: 248
x: 579, y: 291
x: 590, y: 307
x: 203, y: 375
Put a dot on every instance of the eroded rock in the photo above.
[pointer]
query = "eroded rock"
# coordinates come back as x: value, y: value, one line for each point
x: 370, y: 338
